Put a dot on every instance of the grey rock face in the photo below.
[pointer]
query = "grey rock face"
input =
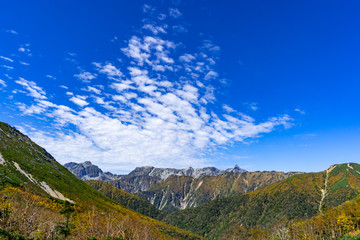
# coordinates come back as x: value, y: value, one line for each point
x: 88, y: 171
x: 142, y: 178
x: 164, y: 173
x: 236, y: 169
x: 180, y: 192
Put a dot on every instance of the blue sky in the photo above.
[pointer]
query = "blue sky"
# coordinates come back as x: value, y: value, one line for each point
x: 267, y: 85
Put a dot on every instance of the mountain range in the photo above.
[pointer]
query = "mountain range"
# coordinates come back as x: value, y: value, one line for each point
x: 89, y: 171
x: 172, y: 189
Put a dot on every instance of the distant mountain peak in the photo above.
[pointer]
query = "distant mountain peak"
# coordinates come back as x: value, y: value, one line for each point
x: 88, y: 171
x: 236, y: 169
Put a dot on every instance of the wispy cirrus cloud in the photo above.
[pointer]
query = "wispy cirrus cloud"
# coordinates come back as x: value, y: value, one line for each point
x: 6, y: 59
x: 32, y: 88
x: 302, y: 112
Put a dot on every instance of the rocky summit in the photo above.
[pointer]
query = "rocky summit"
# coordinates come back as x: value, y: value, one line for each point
x: 88, y: 171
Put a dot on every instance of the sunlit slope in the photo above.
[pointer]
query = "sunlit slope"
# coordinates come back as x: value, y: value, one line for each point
x: 35, y: 187
x: 333, y: 223
x: 299, y: 196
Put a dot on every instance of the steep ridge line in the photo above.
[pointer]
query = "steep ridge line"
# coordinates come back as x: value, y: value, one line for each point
x: 324, y: 190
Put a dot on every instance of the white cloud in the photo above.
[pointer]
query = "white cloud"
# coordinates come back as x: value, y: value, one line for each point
x: 161, y: 16
x: 302, y: 112
x: 209, y: 45
x: 186, y: 58
x: 6, y: 59
x: 228, y: 108
x: 180, y: 29
x: 147, y: 8
x: 7, y: 67
x: 24, y: 63
x: 50, y: 76
x: 174, y: 12
x: 211, y: 75
x: 154, y: 29
x: 21, y: 49
x: 85, y: 76
x: 2, y: 83
x: 253, y: 106
x: 33, y: 90
x: 92, y: 89
x: 79, y: 100
x: 141, y: 50
x: 12, y: 31
x: 110, y: 70
x: 119, y: 87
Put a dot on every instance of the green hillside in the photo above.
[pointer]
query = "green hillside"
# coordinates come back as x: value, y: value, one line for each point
x: 126, y: 199
x: 297, y: 197
x: 39, y: 198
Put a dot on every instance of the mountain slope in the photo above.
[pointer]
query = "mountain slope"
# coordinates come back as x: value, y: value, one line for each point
x: 126, y: 199
x: 299, y: 196
x: 34, y: 187
x: 178, y: 192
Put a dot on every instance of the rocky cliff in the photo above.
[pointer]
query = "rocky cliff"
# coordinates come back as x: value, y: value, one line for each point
x: 142, y: 178
x: 181, y: 192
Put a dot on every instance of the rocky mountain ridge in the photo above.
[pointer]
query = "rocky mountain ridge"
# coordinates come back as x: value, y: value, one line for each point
x: 180, y: 192
x: 165, y: 173
x: 171, y: 189
x: 89, y: 171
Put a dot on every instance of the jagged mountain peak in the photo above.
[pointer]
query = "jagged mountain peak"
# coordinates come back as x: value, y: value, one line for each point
x: 144, y: 170
x: 236, y: 169
x: 88, y: 171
